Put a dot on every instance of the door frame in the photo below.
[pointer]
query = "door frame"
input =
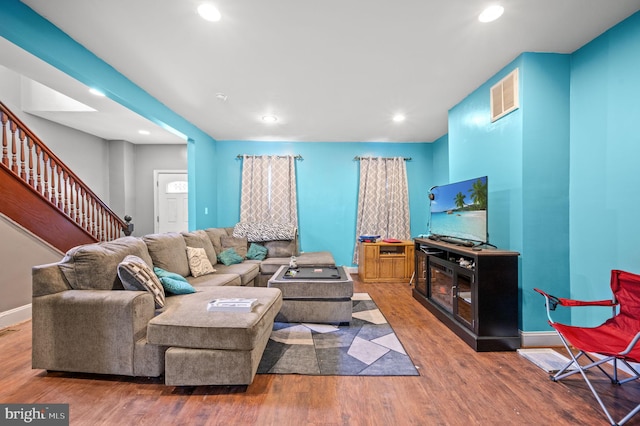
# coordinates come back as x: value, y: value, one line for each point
x: 156, y: 203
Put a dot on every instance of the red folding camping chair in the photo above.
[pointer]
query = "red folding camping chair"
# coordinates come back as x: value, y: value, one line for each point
x: 614, y: 340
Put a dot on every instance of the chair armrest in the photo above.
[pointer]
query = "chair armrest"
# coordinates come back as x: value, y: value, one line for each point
x: 573, y: 302
x: 552, y: 302
x: 93, y: 331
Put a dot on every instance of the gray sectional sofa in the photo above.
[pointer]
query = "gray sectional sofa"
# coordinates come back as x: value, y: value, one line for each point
x: 85, y: 321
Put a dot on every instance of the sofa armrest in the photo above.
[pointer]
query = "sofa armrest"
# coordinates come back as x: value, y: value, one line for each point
x: 48, y: 279
x: 91, y: 331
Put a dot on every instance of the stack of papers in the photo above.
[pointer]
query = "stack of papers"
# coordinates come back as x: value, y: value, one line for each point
x: 232, y: 304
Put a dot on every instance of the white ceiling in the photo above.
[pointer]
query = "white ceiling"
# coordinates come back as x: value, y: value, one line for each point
x: 335, y: 70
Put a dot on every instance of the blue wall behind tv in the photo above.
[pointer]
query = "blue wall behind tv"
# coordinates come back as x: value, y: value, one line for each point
x: 440, y: 150
x: 525, y: 156
x: 327, y: 185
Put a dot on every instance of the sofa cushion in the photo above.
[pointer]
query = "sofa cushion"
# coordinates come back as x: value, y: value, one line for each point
x: 200, y: 239
x: 238, y: 244
x: 136, y: 275
x: 229, y: 257
x: 215, y: 234
x: 215, y: 280
x: 281, y: 248
x: 169, y: 252
x: 199, y: 262
x: 95, y: 266
x: 256, y: 252
x: 186, y: 322
x: 247, y: 270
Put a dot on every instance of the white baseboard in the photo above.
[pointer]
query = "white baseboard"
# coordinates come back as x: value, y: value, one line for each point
x: 537, y: 339
x: 15, y: 316
x: 351, y: 269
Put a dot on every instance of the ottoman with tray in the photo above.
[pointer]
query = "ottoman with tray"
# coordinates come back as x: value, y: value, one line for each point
x: 316, y: 294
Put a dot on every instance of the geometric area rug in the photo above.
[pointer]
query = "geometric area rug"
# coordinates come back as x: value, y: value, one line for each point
x: 367, y: 346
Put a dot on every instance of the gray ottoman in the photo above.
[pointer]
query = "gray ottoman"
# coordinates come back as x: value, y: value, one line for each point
x: 214, y: 348
x: 314, y: 294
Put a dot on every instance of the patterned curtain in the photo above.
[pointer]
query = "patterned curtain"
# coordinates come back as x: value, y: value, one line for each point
x: 269, y: 189
x: 383, y: 200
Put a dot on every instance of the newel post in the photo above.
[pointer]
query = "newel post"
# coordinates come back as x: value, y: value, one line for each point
x: 128, y: 230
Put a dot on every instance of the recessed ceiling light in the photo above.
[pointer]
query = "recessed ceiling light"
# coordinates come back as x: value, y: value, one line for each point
x: 399, y: 118
x: 209, y: 12
x: 96, y: 92
x: 269, y: 118
x: 491, y: 13
x: 144, y: 132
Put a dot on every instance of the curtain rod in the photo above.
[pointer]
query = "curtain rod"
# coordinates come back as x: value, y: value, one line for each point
x: 297, y: 157
x: 358, y: 158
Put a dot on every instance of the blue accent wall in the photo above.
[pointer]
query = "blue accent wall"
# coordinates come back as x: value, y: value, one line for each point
x: 478, y: 147
x: 440, y: 160
x: 525, y: 156
x: 605, y: 149
x: 203, y: 185
x: 545, y: 84
x: 327, y: 186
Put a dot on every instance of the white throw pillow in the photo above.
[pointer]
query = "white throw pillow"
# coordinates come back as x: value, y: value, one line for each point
x: 199, y: 263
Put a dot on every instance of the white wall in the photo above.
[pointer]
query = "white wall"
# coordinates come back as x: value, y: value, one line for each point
x: 85, y: 154
x: 19, y: 251
x: 148, y: 159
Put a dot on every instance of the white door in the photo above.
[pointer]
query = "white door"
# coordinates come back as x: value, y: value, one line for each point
x: 172, y: 202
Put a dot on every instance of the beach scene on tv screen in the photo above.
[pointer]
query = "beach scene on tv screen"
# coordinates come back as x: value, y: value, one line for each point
x: 460, y: 210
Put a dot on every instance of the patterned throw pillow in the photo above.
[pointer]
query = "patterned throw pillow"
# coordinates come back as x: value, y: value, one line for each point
x: 135, y: 274
x: 256, y: 252
x: 199, y: 262
x: 172, y: 282
x: 229, y: 257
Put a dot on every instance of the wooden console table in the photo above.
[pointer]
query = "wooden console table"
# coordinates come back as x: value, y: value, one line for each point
x: 386, y: 262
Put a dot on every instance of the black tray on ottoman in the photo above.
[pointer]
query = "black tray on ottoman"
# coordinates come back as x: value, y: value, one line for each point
x: 314, y: 294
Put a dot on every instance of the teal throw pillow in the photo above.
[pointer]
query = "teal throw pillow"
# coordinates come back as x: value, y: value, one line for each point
x: 175, y: 286
x: 229, y: 257
x: 161, y: 273
x: 256, y: 252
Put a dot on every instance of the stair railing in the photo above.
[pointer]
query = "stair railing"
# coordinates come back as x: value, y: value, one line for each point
x: 30, y: 160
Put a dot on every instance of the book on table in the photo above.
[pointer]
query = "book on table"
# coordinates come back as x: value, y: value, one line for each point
x: 232, y: 304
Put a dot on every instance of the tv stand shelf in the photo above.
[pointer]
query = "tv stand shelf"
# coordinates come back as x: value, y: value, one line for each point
x: 473, y: 292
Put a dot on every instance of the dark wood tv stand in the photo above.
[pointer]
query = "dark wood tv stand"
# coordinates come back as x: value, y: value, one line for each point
x: 473, y: 292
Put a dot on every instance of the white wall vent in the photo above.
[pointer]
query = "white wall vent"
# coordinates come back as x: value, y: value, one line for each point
x: 504, y: 96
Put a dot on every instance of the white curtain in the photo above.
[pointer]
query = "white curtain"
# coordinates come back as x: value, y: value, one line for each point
x: 269, y: 189
x: 383, y: 200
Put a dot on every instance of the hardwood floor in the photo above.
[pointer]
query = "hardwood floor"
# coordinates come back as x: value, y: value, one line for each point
x: 457, y: 386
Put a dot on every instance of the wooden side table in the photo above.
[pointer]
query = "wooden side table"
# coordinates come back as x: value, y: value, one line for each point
x: 386, y: 262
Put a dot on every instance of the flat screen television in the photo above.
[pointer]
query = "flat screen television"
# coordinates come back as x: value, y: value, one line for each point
x: 459, y: 211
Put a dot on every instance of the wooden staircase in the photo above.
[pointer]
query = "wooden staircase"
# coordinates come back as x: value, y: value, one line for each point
x: 39, y: 192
